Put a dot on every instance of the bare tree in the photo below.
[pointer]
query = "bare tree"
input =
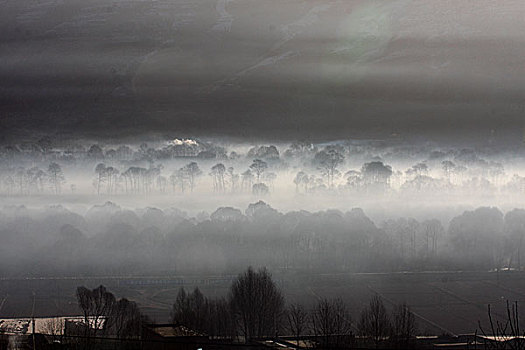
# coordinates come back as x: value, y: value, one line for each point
x: 219, y: 319
x: 297, y: 318
x: 103, y: 314
x: 189, y: 310
x: 197, y: 312
x: 332, y: 323
x: 126, y: 319
x: 374, y: 321
x: 257, y: 303
x: 509, y: 329
x: 403, y: 326
x: 96, y: 305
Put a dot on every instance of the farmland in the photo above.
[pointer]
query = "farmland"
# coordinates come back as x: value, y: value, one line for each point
x: 443, y: 302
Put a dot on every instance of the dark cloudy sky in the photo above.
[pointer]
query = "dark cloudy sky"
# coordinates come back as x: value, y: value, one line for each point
x: 279, y: 69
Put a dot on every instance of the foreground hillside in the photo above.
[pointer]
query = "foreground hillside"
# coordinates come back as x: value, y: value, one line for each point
x: 269, y: 68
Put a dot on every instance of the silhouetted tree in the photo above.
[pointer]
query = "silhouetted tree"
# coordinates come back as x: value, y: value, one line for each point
x: 258, y: 167
x: 124, y: 152
x: 301, y: 179
x: 190, y: 310
x: 300, y: 149
x: 247, y: 180
x: 111, y: 176
x: 56, y: 177
x: 354, y: 180
x: 257, y: 303
x: 297, y: 318
x: 179, y: 178
x: 328, y: 161
x: 126, y: 319
x: 477, y: 235
x: 508, y: 328
x: 403, y: 326
x: 96, y: 305
x: 264, y: 152
x: 192, y: 171
x: 433, y: 231
x: 220, y: 319
x: 217, y: 173
x: 332, y: 323
x: 418, y: 170
x: 100, y: 171
x: 95, y: 153
x: 233, y: 179
x: 374, y: 321
x: 376, y: 175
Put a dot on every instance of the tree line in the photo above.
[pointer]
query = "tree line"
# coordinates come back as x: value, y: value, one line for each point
x: 34, y: 180
x: 331, y: 168
x: 136, y: 180
x: 108, y: 239
x: 105, y: 315
x: 255, y: 308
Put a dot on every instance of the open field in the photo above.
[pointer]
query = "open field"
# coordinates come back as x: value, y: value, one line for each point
x: 444, y: 302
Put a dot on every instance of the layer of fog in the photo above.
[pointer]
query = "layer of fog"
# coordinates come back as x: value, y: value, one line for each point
x: 387, y: 179
x: 112, y: 240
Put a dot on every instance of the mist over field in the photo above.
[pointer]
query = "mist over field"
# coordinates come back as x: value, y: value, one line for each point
x: 186, y: 205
